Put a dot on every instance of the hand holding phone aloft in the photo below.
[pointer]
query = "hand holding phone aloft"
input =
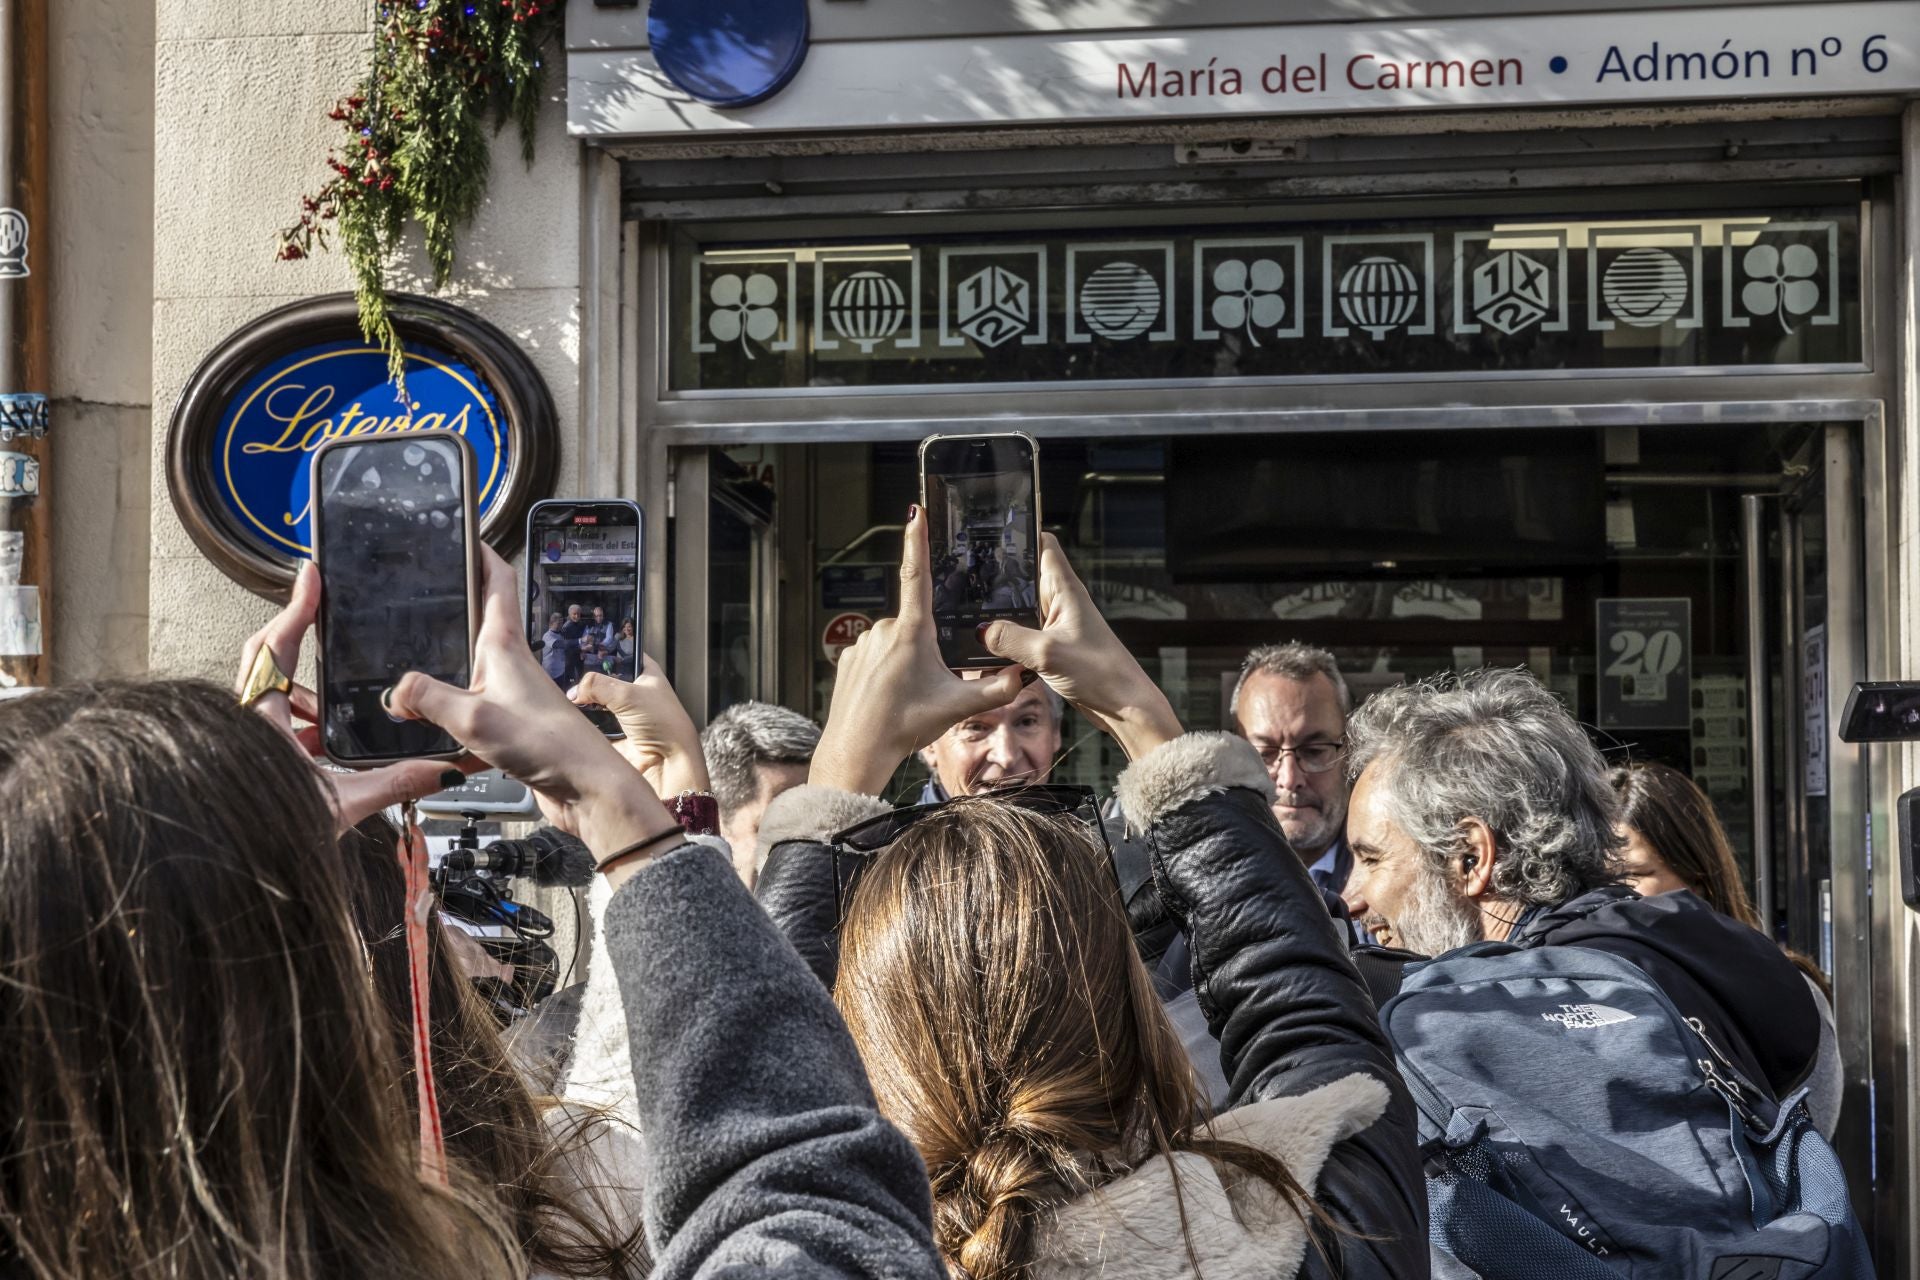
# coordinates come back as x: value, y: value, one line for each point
x: 513, y: 716
x: 358, y: 795
x: 893, y: 692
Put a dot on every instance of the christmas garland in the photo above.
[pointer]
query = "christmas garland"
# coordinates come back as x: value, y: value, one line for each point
x: 446, y: 76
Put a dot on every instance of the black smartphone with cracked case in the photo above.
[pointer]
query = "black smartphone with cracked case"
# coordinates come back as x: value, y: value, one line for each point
x: 982, y: 499
x: 584, y: 592
x: 396, y: 539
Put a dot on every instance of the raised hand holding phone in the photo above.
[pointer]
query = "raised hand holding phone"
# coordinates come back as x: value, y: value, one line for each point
x: 894, y: 692
x: 1077, y: 654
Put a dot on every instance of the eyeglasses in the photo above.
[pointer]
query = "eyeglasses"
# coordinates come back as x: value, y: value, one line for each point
x: 1314, y: 757
x: 866, y: 840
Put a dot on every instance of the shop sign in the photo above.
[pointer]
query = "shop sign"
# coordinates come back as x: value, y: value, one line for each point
x: 1269, y: 299
x: 856, y: 586
x: 1645, y: 652
x: 1545, y: 60
x: 241, y: 443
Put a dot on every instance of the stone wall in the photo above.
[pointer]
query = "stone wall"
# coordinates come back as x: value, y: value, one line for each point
x: 100, y: 250
x: 241, y: 97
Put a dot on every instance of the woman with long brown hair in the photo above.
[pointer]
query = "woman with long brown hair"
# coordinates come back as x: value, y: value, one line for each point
x: 202, y: 1080
x: 1675, y: 843
x: 989, y: 976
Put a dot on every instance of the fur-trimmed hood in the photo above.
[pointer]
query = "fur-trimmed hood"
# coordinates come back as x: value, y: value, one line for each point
x: 1240, y: 1228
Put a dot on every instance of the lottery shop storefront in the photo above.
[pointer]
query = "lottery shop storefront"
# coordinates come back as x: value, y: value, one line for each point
x: 1610, y: 388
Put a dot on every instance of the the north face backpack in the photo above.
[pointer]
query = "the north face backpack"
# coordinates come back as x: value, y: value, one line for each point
x: 1574, y: 1126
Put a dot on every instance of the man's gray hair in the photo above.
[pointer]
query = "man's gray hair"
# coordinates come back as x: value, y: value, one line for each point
x: 747, y: 735
x: 1494, y: 745
x: 1291, y: 661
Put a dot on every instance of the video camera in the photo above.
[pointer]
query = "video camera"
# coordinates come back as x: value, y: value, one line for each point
x: 1889, y: 711
x: 472, y: 873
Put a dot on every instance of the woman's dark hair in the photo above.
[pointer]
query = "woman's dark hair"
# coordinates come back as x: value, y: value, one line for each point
x: 544, y: 1170
x: 199, y: 1078
x: 1676, y: 819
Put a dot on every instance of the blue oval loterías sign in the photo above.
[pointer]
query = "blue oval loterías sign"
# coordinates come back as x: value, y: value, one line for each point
x: 242, y: 439
x: 314, y: 394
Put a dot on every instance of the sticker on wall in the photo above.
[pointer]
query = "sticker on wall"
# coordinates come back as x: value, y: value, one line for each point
x: 1120, y: 291
x: 1381, y: 283
x: 19, y: 475
x: 993, y: 296
x: 751, y: 299
x: 13, y: 555
x: 1510, y: 281
x: 1784, y: 273
x: 15, y: 234
x: 19, y: 622
x: 1251, y: 287
x: 1813, y: 718
x: 1645, y: 277
x: 240, y: 446
x: 867, y: 297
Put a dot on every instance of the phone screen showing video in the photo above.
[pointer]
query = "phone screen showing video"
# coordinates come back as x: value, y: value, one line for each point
x: 394, y: 557
x: 983, y: 540
x: 583, y: 593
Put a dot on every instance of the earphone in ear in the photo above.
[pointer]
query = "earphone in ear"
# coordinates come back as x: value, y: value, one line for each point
x: 1468, y: 861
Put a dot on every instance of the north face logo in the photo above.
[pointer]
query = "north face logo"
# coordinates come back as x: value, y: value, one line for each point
x: 1580, y: 1017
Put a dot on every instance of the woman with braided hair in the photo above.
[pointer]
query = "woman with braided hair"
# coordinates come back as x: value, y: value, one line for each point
x: 986, y: 969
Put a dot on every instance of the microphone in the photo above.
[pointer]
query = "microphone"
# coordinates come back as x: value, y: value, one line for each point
x: 547, y: 857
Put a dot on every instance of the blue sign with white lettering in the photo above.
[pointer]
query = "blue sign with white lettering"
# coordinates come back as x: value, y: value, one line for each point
x: 299, y: 401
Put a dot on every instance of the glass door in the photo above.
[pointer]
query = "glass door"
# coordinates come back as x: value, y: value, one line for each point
x: 724, y: 602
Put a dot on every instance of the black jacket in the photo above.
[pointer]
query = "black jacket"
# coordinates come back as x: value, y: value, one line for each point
x: 1753, y: 1002
x: 1269, y: 966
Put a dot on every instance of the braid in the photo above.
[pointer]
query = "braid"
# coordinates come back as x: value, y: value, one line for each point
x: 985, y: 1206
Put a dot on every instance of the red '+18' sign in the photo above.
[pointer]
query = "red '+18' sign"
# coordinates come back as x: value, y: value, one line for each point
x: 842, y: 632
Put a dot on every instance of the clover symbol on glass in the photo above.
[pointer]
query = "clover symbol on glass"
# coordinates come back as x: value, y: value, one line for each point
x: 743, y: 309
x: 1781, y: 281
x: 1249, y: 296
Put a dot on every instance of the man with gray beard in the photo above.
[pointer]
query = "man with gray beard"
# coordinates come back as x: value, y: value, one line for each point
x: 1481, y: 812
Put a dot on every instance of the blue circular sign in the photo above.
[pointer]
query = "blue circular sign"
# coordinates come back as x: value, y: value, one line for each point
x: 728, y: 53
x: 241, y: 444
x: 311, y: 395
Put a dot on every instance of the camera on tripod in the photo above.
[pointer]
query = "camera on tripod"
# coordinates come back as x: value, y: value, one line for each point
x: 473, y: 879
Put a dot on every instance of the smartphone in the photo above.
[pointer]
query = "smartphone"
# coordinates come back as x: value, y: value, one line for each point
x: 1882, y: 711
x: 583, y: 593
x: 982, y: 499
x: 396, y: 539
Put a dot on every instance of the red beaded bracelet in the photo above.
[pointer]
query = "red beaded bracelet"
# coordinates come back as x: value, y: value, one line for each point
x: 697, y: 812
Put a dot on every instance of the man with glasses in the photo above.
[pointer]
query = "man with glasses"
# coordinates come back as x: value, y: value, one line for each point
x: 1291, y: 704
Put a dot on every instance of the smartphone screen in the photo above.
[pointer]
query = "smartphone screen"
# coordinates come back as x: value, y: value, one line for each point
x: 583, y: 593
x: 394, y: 541
x: 983, y: 536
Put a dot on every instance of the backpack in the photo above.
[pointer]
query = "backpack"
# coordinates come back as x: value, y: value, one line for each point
x: 1574, y: 1126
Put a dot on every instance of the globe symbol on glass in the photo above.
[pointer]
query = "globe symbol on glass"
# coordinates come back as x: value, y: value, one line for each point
x: 743, y: 309
x: 1645, y: 287
x: 1782, y: 282
x: 1379, y: 295
x: 1511, y: 291
x: 1249, y: 296
x: 995, y: 306
x: 1119, y: 301
x: 867, y: 308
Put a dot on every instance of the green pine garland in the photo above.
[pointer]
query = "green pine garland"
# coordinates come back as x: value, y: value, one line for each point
x: 446, y: 76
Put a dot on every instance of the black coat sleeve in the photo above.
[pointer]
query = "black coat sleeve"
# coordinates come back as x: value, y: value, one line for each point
x: 796, y: 888
x: 1281, y: 995
x: 765, y: 1153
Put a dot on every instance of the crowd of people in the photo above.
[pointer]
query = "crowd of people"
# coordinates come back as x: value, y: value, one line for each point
x: 575, y: 643
x: 1014, y: 1031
